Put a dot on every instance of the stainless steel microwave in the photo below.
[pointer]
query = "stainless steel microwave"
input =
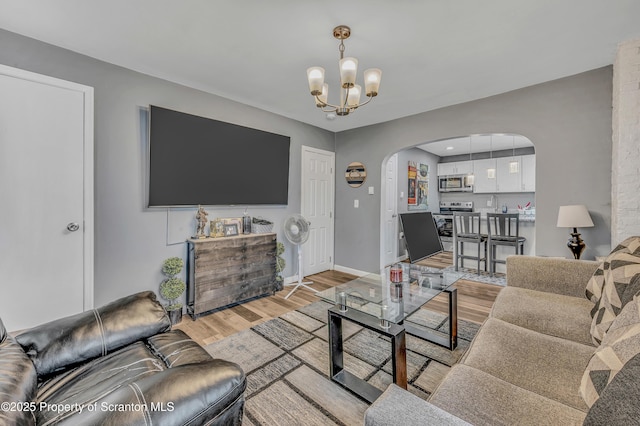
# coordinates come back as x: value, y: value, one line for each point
x: 457, y: 183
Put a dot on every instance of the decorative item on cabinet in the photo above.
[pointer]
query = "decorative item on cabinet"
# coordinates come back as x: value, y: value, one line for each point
x: 201, y: 218
x: 216, y: 228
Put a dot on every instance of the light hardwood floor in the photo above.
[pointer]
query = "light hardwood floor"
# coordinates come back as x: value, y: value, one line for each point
x: 474, y: 303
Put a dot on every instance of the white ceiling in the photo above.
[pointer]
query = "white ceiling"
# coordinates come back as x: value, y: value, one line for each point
x: 432, y: 53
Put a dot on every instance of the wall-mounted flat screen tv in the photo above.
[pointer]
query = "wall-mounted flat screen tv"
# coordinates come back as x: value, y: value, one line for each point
x: 420, y: 235
x: 199, y: 161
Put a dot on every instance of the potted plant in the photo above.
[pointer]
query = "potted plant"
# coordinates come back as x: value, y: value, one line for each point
x: 172, y: 288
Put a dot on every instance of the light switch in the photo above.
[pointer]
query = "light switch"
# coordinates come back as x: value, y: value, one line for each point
x: 401, y: 195
x: 356, y: 204
x: 371, y: 190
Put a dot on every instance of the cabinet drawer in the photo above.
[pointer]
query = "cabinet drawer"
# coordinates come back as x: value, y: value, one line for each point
x: 216, y: 298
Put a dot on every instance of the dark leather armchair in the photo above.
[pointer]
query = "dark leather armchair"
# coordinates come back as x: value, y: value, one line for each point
x: 116, y: 365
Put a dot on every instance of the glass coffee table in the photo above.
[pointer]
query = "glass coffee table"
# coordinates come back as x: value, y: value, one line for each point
x: 374, y: 302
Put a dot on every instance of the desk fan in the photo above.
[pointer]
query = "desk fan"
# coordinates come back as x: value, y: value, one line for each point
x: 296, y: 229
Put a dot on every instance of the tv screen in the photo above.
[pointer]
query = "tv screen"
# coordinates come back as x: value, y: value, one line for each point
x: 420, y: 235
x: 195, y: 160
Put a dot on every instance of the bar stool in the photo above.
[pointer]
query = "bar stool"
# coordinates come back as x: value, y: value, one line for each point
x: 504, y: 230
x: 466, y: 229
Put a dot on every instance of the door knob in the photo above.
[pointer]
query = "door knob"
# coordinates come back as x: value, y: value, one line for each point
x: 73, y: 227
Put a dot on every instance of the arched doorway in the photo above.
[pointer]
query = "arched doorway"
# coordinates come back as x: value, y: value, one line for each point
x: 485, y: 156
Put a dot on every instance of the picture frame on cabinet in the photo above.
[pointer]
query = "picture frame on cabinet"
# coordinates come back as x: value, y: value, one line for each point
x: 231, y: 230
x: 233, y: 221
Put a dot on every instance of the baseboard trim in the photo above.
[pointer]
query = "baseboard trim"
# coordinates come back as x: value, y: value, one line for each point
x: 348, y: 270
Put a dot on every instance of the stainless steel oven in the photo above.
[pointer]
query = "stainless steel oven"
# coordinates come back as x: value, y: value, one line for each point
x: 444, y: 220
x: 458, y: 183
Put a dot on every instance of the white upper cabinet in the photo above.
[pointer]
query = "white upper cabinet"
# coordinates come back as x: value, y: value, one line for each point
x: 509, y: 174
x: 484, y: 172
x: 528, y: 173
x: 455, y: 168
x: 513, y: 174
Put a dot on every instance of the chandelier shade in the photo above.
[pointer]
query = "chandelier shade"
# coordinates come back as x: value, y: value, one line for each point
x: 350, y: 92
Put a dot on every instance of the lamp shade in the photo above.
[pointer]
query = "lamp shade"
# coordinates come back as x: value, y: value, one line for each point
x: 315, y: 75
x: 372, y: 78
x: 348, y: 71
x: 321, y: 100
x: 353, y: 99
x: 575, y: 216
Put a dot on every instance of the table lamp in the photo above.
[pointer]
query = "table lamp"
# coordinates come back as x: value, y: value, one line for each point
x: 575, y: 216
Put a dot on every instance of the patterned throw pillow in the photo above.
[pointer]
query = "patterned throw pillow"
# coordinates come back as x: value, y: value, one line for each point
x: 618, y: 270
x: 596, y: 283
x: 621, y: 343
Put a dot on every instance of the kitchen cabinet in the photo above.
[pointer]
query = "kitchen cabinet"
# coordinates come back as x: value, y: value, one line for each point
x: 484, y: 172
x: 508, y: 179
x: 455, y: 168
x: 528, y: 173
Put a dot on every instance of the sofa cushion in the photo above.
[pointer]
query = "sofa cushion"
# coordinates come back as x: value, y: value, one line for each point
x: 147, y: 390
x: 69, y: 341
x: 619, y: 287
x: 618, y: 403
x: 621, y: 343
x: 561, y: 316
x: 546, y: 365
x: 482, y: 399
x: 596, y: 283
x: 18, y: 381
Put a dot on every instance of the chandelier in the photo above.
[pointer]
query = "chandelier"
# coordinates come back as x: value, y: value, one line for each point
x: 349, y: 90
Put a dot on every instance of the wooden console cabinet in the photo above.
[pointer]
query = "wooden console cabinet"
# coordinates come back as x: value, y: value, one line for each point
x: 229, y: 270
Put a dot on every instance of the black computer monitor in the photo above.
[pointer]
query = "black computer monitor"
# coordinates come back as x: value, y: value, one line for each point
x: 420, y: 235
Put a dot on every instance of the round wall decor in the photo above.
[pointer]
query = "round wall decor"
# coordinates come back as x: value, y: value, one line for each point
x: 356, y: 174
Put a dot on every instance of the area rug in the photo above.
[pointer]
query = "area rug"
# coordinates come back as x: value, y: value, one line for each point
x: 483, y: 276
x: 286, y: 360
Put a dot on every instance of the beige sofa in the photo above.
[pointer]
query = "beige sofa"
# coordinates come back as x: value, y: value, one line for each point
x: 527, y: 363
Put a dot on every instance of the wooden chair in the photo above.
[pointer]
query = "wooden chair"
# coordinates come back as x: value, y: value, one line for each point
x: 503, y: 230
x: 466, y: 229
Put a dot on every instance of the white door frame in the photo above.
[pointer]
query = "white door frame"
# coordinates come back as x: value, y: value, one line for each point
x: 88, y: 205
x: 332, y: 185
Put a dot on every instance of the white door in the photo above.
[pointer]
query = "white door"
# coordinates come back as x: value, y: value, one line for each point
x: 46, y: 219
x: 390, y: 211
x: 317, y: 207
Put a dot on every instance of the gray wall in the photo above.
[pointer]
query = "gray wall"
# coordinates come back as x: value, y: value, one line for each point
x: 418, y: 156
x: 569, y: 122
x: 130, y: 241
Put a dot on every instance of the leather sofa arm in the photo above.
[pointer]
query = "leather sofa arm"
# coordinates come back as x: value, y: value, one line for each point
x: 18, y: 383
x: 193, y: 394
x: 66, y: 342
x: 568, y: 277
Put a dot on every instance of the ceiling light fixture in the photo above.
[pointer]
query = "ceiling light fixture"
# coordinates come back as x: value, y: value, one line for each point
x: 471, y: 178
x: 349, y: 90
x: 491, y: 171
x: 514, y: 166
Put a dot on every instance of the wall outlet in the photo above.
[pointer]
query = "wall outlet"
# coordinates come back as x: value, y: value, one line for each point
x: 356, y: 204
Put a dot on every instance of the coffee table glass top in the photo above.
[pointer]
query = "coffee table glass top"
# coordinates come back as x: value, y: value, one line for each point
x: 376, y: 295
